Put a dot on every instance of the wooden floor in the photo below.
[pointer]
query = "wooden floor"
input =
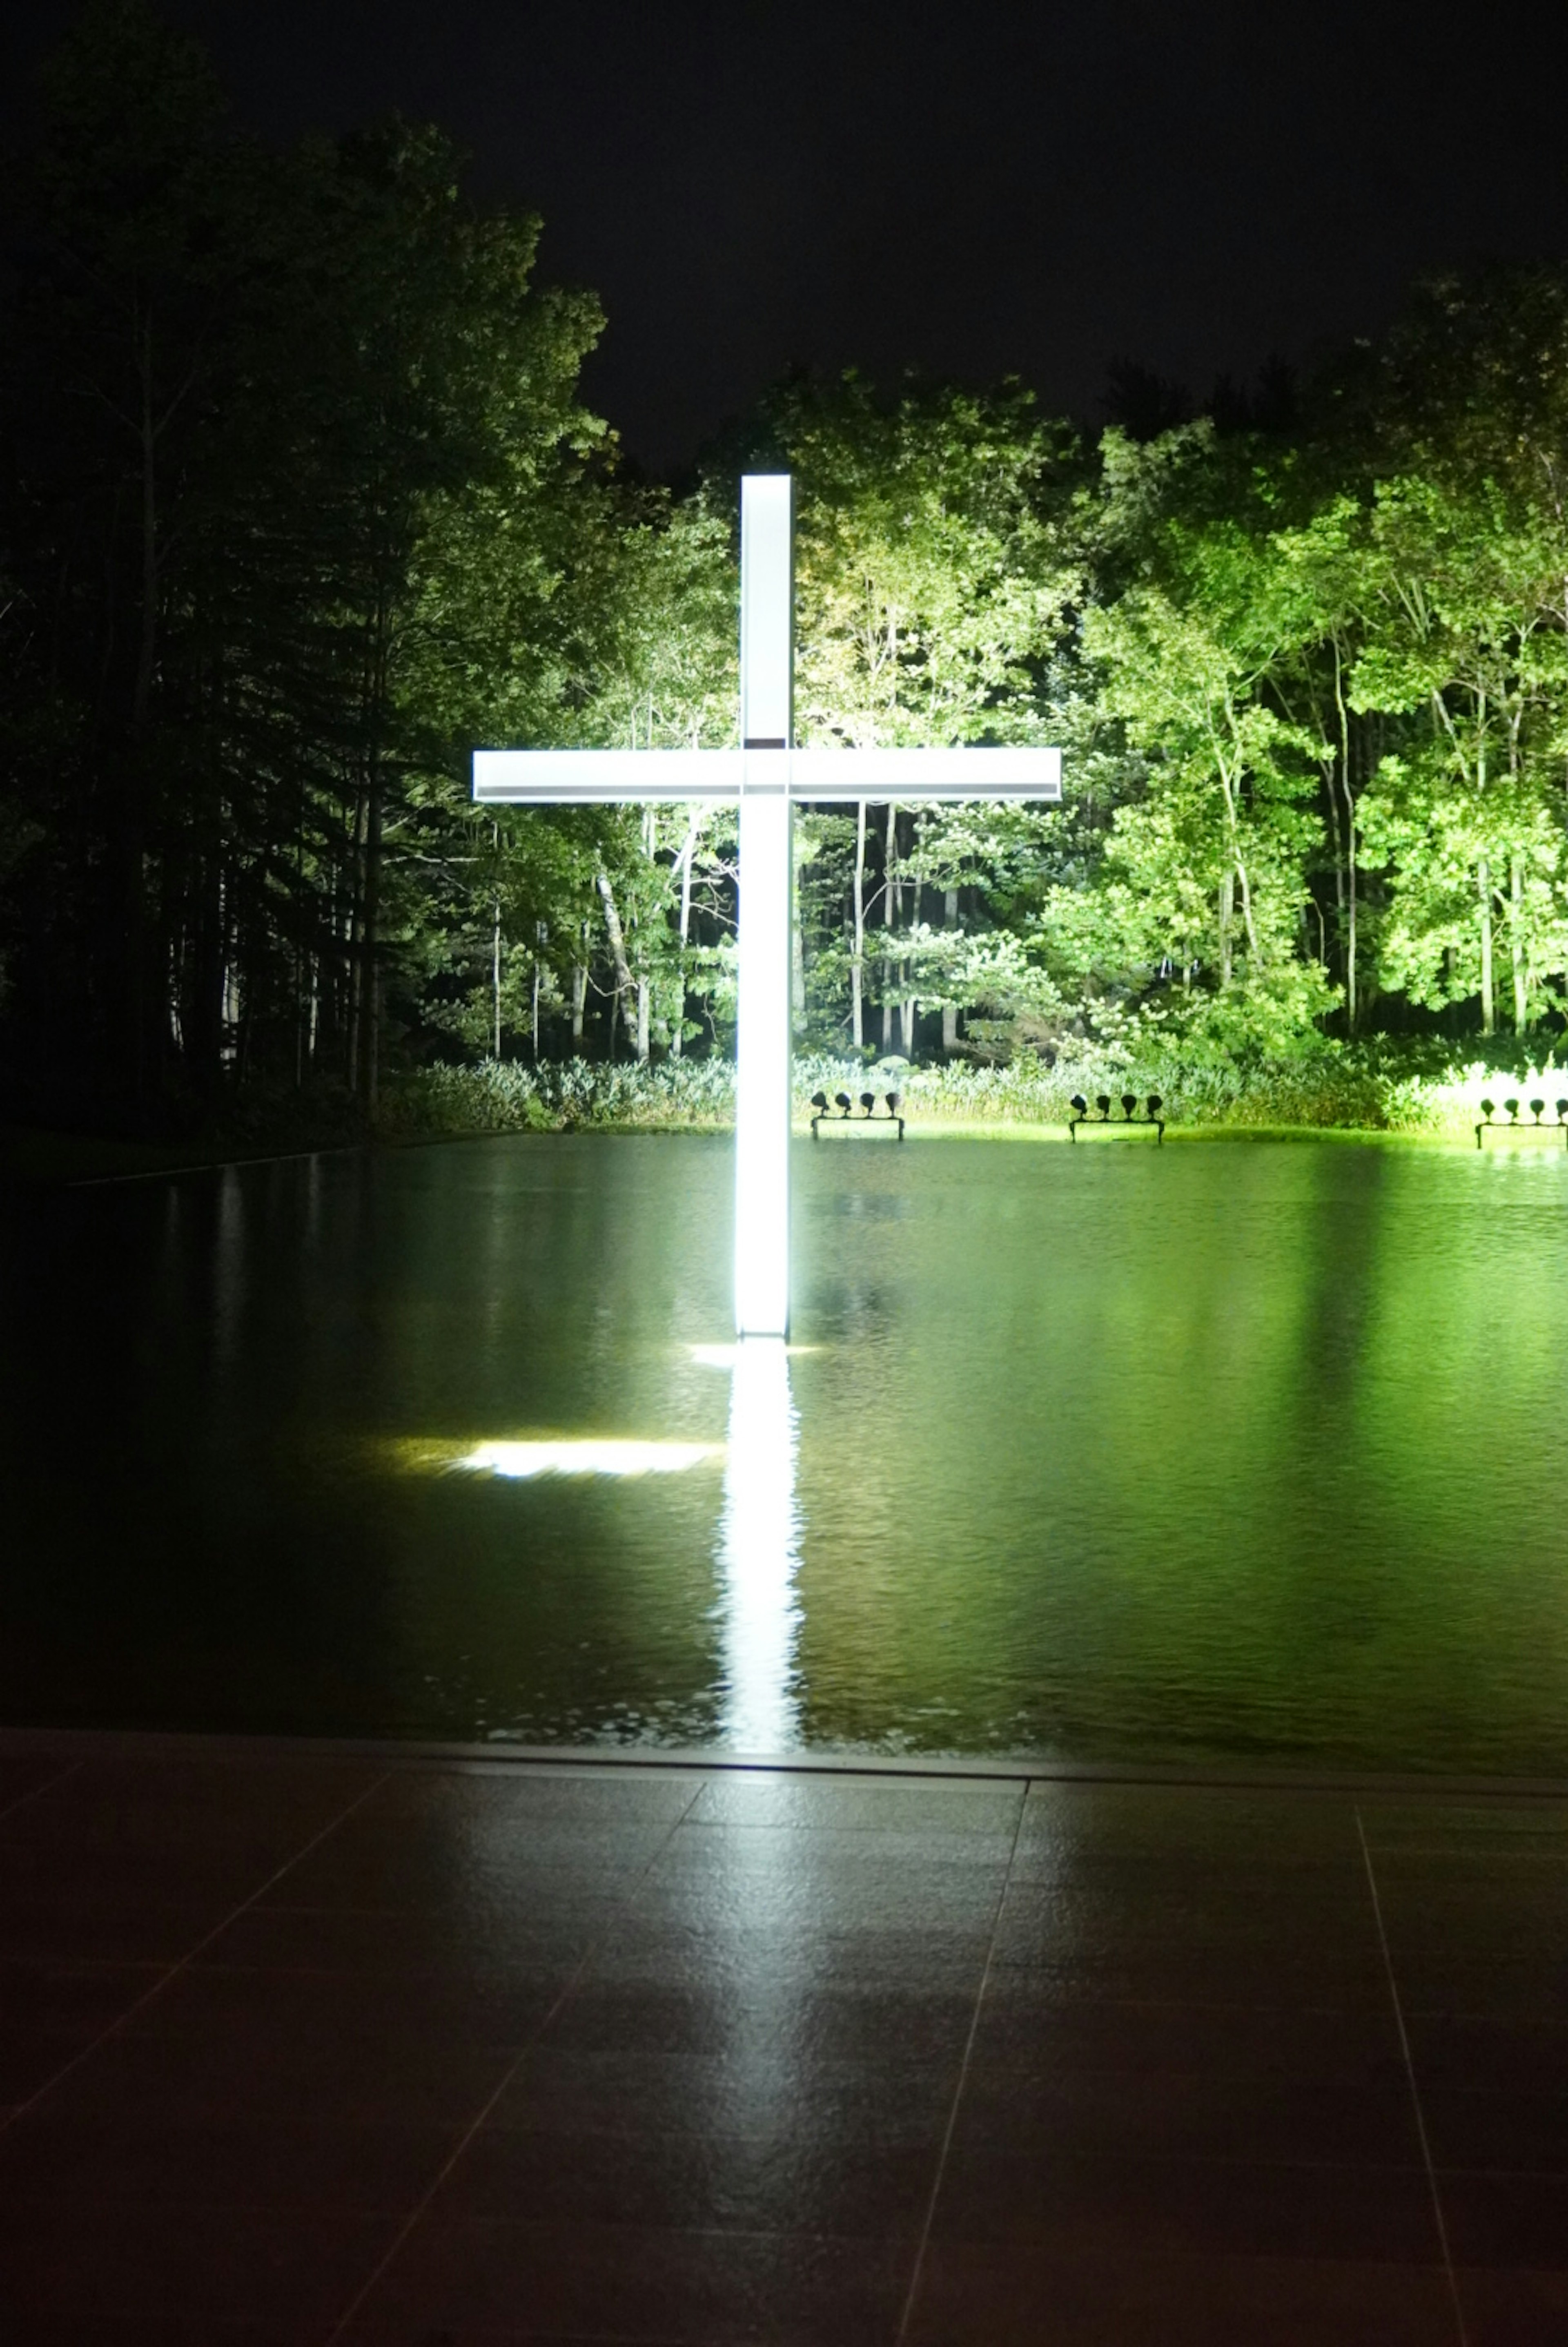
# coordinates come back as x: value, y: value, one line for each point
x: 305, y: 2046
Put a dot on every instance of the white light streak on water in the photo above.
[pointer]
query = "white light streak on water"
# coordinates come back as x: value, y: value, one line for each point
x: 521, y: 1460
x: 759, y: 1553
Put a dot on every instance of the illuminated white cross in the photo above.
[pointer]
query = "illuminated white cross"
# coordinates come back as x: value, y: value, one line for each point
x: 767, y: 775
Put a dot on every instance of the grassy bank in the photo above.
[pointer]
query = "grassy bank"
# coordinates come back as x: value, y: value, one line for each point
x: 1416, y: 1092
x: 1370, y: 1089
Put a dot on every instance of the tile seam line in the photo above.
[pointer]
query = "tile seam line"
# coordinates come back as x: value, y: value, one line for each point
x: 176, y: 1970
x: 34, y: 1792
x: 922, y: 2244
x: 1461, y: 2331
x: 416, y: 2215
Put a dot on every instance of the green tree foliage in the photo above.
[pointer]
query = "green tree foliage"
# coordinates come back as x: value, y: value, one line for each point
x: 1201, y: 876
x: 293, y: 438
x: 936, y: 572
x: 300, y: 503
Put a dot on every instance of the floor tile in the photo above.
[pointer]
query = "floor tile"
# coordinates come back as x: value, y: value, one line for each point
x: 503, y: 1794
x: 1199, y: 1823
x: 49, y: 2013
x: 769, y: 1849
x: 695, y: 2183
x: 1196, y: 2114
x: 265, y: 2071
x: 1456, y: 1826
x: 891, y: 2101
x: 733, y: 2011
x: 60, y: 1873
x: 293, y: 2273
x: 1502, y: 2053
x: 843, y: 1897
x: 1479, y: 1902
x: 23, y: 1775
x: 1243, y: 2206
x: 392, y: 2007
x: 1028, y: 2026
x: 161, y: 1800
x: 845, y: 1804
x: 741, y: 1950
x: 1244, y: 1907
x: 209, y: 2329
x: 360, y: 1940
x: 1514, y: 2309
x: 163, y: 2156
x: 126, y: 1931
x: 483, y: 1866
x: 1025, y: 2297
x: 781, y: 2014
x: 1484, y: 1971
x: 1506, y: 2218
x: 1111, y: 1968
x: 371, y: 2331
x: 623, y: 2282
x: 1478, y: 2130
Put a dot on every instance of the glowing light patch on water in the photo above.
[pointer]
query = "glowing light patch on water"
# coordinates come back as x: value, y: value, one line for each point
x: 519, y: 1461
x: 724, y: 1357
x: 759, y: 1553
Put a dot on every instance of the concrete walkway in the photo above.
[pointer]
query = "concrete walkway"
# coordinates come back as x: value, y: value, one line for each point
x: 308, y: 2045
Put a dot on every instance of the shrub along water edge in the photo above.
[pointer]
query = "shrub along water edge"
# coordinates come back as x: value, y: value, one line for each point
x: 1423, y: 1089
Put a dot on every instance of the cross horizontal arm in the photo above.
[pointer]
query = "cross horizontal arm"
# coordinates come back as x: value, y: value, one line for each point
x: 836, y: 775
x: 605, y: 777
x: 622, y: 777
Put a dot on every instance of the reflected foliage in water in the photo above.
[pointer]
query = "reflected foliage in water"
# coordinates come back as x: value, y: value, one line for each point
x: 1231, y: 1449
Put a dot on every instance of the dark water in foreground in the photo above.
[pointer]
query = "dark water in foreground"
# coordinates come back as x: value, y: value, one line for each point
x: 1239, y: 1449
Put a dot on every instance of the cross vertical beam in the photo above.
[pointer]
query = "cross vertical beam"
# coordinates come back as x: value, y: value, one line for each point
x: 762, y: 1101
x: 764, y: 777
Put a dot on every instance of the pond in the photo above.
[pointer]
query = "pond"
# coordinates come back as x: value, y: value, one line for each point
x: 1231, y: 1449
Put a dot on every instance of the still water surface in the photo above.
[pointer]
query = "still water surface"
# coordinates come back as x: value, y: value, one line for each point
x: 1226, y: 1449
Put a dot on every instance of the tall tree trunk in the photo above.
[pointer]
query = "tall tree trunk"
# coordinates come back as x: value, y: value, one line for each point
x: 892, y: 898
x: 353, y: 929
x: 688, y: 857
x: 496, y: 982
x: 796, y: 971
x: 579, y: 997
x: 495, y: 956
x: 378, y: 1023
x: 1483, y: 891
x: 950, y: 1010
x: 1227, y: 916
x: 618, y: 952
x: 370, y: 990
x: 147, y: 643
x: 133, y: 912
x: 642, y: 1044
x: 1352, y: 988
x: 858, y: 958
x: 1516, y: 945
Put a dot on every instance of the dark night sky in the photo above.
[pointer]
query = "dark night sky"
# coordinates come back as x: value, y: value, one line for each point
x: 976, y: 189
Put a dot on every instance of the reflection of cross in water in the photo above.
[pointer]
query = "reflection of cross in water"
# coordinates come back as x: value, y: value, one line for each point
x: 760, y: 1554
x: 768, y: 776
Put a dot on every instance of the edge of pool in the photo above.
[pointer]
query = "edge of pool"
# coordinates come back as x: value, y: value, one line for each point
x: 82, y: 1743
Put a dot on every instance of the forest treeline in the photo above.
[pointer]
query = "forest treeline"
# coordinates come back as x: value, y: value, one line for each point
x: 300, y: 501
